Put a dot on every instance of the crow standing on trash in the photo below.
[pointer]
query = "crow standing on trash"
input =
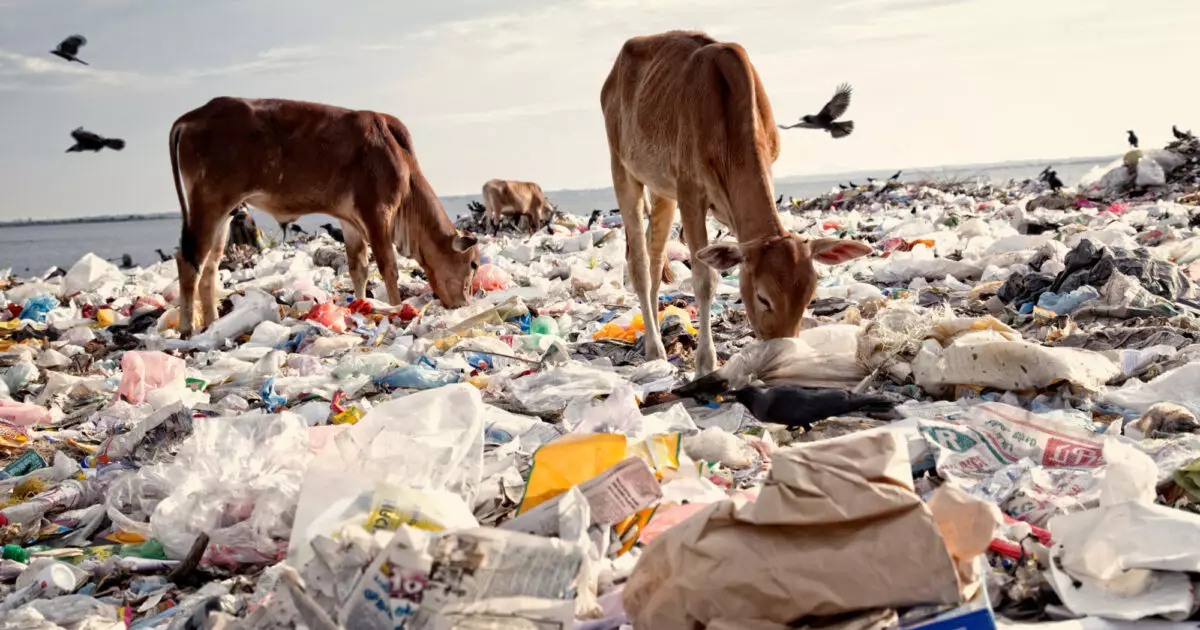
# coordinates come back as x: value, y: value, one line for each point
x: 827, y: 117
x: 336, y: 233
x: 1133, y: 139
x: 895, y: 177
x: 1181, y: 135
x: 69, y: 47
x: 88, y: 141
x: 802, y: 406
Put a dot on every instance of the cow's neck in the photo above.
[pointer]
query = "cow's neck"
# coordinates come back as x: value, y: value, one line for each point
x: 422, y: 223
x: 753, y: 213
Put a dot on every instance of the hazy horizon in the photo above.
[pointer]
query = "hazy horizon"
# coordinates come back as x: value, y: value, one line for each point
x: 510, y: 89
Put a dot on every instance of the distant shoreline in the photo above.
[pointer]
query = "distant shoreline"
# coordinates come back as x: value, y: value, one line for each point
x: 462, y: 199
x: 120, y: 218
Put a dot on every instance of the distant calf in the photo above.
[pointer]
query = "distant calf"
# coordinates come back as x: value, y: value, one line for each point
x: 517, y: 199
x: 688, y: 117
x: 290, y: 158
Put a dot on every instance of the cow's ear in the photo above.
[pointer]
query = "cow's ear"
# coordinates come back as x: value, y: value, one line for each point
x: 463, y: 242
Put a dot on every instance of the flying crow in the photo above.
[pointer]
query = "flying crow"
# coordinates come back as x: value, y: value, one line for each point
x: 88, y: 141
x: 69, y: 47
x: 827, y: 118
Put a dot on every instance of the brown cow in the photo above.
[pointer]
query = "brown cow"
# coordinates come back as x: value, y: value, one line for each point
x: 519, y: 199
x: 291, y: 158
x: 688, y: 117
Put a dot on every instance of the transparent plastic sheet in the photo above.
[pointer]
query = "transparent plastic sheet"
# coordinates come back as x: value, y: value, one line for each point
x: 238, y: 480
x: 552, y: 390
x: 432, y: 440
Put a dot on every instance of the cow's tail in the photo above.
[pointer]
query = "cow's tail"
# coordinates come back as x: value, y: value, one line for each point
x: 187, y: 240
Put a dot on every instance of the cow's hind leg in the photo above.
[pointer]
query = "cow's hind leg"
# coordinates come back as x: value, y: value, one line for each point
x: 662, y: 216
x: 211, y: 273
x: 356, y: 258
x: 631, y: 196
x: 207, y: 221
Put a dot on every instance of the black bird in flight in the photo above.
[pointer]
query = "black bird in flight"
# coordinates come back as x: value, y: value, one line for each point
x: 1181, y: 135
x: 88, y: 141
x: 895, y: 177
x: 827, y: 118
x: 69, y: 47
x: 802, y: 406
x: 336, y: 233
x: 1133, y: 139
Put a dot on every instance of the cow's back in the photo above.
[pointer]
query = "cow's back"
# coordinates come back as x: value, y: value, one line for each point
x: 293, y: 155
x: 669, y: 106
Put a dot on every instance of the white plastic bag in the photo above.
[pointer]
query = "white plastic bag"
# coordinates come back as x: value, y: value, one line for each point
x: 237, y: 479
x: 92, y: 273
x: 432, y: 440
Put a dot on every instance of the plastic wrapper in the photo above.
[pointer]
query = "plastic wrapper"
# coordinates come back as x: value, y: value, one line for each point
x: 145, y: 371
x: 92, y: 273
x: 432, y: 441
x: 236, y: 479
x: 249, y: 310
x: 489, y: 277
x: 330, y: 316
x: 23, y: 414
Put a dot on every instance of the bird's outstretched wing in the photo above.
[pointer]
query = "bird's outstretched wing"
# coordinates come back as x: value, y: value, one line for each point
x: 81, y: 135
x: 72, y: 44
x: 800, y: 125
x: 838, y: 104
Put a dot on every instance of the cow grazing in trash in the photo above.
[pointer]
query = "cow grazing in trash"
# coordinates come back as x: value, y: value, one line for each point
x: 292, y: 158
x: 517, y: 199
x: 688, y: 117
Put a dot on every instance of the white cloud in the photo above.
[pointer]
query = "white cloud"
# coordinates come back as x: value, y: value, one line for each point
x: 26, y: 72
x: 272, y: 60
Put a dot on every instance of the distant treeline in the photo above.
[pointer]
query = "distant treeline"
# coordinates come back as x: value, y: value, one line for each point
x: 116, y: 218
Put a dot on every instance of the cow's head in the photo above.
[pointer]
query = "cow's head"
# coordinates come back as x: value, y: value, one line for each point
x: 451, y: 277
x: 778, y: 279
x: 548, y: 211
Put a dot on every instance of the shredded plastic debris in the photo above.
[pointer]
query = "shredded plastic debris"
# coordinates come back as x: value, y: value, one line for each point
x: 1008, y: 394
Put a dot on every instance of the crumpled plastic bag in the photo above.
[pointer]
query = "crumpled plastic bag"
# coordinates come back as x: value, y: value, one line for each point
x: 249, y: 310
x: 489, y: 277
x: 92, y: 273
x: 143, y: 371
x: 238, y: 480
x: 432, y: 440
x: 23, y: 414
x: 329, y: 315
x: 38, y: 307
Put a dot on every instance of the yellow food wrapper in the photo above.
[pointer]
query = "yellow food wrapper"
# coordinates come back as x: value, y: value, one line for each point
x: 349, y: 416
x: 394, y: 505
x: 573, y: 459
x: 660, y: 452
x: 569, y: 461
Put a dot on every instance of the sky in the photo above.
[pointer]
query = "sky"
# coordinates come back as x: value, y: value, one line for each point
x: 511, y: 88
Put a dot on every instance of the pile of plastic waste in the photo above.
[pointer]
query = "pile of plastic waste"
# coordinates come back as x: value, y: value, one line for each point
x: 992, y: 416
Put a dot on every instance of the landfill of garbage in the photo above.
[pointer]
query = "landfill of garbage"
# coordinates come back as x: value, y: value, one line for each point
x: 990, y: 418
